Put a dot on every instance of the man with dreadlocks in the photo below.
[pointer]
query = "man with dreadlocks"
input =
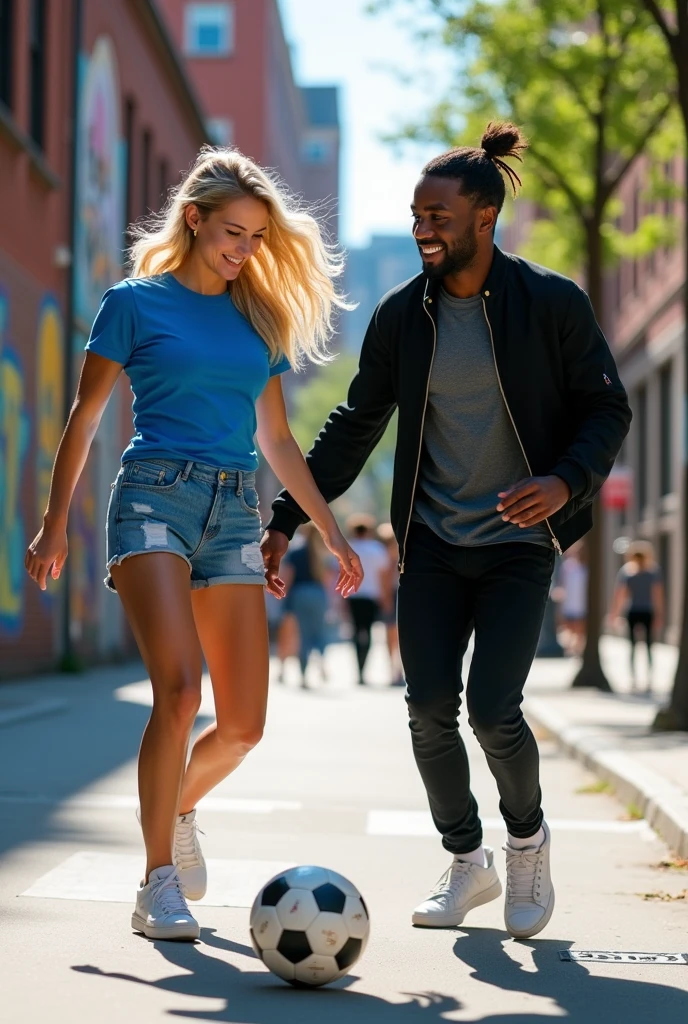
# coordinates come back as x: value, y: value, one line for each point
x: 511, y: 414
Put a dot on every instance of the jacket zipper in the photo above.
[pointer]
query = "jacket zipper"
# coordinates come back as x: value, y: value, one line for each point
x: 555, y: 542
x: 422, y: 426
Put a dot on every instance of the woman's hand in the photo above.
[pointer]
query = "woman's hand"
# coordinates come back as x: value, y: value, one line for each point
x: 47, y: 553
x: 350, y: 568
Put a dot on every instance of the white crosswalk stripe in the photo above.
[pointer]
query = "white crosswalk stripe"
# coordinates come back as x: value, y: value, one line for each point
x: 114, y: 877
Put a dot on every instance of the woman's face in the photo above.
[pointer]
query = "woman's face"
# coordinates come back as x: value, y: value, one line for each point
x: 229, y: 237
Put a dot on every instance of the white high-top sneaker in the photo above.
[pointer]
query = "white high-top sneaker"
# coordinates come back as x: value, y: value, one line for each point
x: 188, y: 858
x: 161, y: 911
x: 529, y: 891
x: 461, y: 888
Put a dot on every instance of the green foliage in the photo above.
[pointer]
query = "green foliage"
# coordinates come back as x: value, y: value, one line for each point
x: 590, y: 84
x: 312, y: 404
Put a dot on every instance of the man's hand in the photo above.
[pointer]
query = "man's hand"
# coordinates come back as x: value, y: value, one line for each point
x: 532, y: 501
x: 274, y: 547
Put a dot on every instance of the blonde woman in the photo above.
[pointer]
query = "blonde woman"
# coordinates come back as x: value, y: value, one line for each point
x: 232, y: 283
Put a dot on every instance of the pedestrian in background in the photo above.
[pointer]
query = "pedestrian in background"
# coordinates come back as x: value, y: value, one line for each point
x: 307, y: 573
x: 639, y: 597
x: 230, y: 284
x: 390, y: 596
x: 366, y: 607
x: 572, y: 597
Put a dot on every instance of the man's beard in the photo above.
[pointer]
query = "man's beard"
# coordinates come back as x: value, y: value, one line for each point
x: 459, y: 257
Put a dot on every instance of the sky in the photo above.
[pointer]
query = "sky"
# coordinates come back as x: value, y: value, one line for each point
x: 334, y: 42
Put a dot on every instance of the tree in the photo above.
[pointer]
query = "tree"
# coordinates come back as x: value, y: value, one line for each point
x: 313, y: 402
x: 672, y: 22
x: 589, y: 82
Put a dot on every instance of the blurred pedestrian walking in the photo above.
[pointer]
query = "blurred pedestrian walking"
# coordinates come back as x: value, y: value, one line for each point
x: 390, y: 597
x: 365, y: 605
x: 573, y: 603
x: 231, y: 284
x: 639, y: 597
x: 309, y: 571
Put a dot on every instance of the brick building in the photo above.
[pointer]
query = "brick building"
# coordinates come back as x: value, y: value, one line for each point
x: 239, y: 61
x: 644, y: 321
x: 136, y: 124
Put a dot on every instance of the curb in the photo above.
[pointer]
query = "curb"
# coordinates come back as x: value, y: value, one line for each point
x: 664, y: 806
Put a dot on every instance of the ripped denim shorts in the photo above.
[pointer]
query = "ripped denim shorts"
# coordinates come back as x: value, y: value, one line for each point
x: 207, y: 516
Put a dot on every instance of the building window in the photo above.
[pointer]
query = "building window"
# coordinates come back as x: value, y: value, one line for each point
x: 669, y: 180
x: 146, y: 155
x: 209, y: 30
x: 6, y: 34
x: 634, y: 228
x: 665, y: 453
x: 163, y: 181
x: 220, y: 130
x: 37, y: 53
x: 316, y: 151
x: 641, y: 427
x: 129, y: 121
x: 665, y: 566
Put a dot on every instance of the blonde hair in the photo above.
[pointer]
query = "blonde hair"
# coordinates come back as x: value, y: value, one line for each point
x: 286, y: 291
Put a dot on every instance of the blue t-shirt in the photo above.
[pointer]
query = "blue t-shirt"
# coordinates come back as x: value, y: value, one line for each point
x: 196, y: 367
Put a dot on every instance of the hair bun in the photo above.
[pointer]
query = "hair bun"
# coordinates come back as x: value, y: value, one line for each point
x: 502, y: 138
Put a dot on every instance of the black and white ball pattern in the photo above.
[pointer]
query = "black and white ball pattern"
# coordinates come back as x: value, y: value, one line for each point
x: 309, y: 925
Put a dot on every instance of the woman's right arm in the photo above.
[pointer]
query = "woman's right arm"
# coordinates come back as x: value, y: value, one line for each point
x: 48, y: 551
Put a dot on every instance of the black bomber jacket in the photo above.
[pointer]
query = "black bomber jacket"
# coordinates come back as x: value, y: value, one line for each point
x: 556, y: 373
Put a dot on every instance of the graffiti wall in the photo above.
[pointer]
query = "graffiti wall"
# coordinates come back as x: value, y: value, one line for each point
x: 99, y: 234
x: 97, y: 265
x: 15, y: 429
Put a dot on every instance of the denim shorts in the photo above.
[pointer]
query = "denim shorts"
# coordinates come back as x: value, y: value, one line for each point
x: 207, y: 516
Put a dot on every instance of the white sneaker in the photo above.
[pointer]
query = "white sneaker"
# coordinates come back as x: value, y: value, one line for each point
x: 161, y: 911
x: 461, y: 888
x: 188, y: 858
x: 529, y: 892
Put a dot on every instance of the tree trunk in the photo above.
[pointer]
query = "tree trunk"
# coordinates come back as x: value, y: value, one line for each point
x: 675, y: 716
x: 591, y: 672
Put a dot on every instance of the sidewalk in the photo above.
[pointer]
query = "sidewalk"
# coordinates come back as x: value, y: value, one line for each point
x: 610, y: 734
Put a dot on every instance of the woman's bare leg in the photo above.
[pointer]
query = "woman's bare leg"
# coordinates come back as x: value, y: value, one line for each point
x: 232, y: 627
x: 156, y: 595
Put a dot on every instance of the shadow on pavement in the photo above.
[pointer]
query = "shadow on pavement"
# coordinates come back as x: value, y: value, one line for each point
x: 580, y: 996
x: 256, y: 997
x: 45, y: 761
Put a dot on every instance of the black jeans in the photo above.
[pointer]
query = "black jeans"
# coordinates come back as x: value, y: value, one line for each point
x: 445, y: 593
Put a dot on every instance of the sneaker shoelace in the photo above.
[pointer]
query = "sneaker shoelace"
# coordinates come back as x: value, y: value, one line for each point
x: 167, y: 893
x: 453, y: 880
x: 524, y: 871
x: 186, y: 847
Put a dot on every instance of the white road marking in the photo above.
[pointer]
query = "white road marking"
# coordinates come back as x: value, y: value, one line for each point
x: 114, y: 878
x: 129, y: 802
x: 419, y: 823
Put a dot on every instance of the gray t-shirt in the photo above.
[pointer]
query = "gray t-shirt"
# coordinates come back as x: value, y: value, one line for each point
x: 640, y: 586
x: 470, y: 449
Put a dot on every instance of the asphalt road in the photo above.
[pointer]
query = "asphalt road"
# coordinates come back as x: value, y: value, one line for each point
x: 332, y: 783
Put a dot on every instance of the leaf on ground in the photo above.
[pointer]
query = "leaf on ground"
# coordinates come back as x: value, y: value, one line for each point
x: 599, y: 786
x: 673, y: 864
x: 664, y: 897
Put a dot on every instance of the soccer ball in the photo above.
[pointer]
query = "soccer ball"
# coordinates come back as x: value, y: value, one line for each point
x: 309, y: 925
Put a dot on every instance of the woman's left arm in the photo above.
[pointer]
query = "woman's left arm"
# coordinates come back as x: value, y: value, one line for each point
x: 286, y: 460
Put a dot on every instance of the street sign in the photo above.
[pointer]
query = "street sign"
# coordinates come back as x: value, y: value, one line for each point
x: 617, y: 490
x: 609, y: 956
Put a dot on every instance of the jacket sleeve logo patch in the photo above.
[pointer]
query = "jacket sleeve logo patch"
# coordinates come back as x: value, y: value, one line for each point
x: 606, y: 379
